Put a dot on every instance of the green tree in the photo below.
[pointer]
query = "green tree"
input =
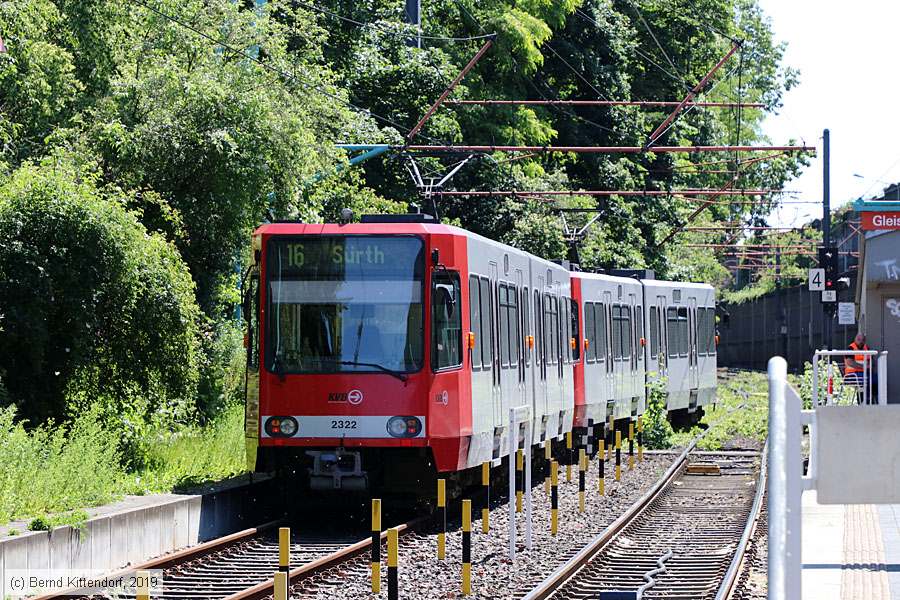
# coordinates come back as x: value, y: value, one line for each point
x: 90, y: 303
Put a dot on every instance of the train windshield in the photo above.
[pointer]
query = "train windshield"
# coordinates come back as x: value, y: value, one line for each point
x: 345, y: 304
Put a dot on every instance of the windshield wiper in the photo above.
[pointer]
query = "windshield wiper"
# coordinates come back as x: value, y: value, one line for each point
x: 382, y: 368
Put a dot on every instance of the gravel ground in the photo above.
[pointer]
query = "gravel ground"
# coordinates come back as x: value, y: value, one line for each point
x: 421, y: 575
x: 753, y: 581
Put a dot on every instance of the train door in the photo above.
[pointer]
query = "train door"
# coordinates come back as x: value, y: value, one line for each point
x: 516, y: 345
x: 693, y: 358
x: 610, y: 374
x: 496, y: 390
x: 540, y: 350
x: 662, y: 331
x: 525, y: 363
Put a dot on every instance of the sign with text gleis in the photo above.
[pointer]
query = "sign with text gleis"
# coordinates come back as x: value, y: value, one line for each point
x: 871, y: 220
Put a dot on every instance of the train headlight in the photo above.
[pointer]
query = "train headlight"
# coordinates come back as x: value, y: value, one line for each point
x: 288, y: 426
x: 281, y: 426
x: 404, y: 427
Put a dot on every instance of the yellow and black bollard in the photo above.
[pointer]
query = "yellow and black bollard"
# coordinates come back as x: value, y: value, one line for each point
x: 618, y: 455
x: 630, y: 446
x: 442, y: 517
x: 392, y: 536
x: 640, y: 436
x: 281, y: 586
x: 142, y: 585
x: 570, y: 456
x: 486, y: 509
x: 554, y: 498
x: 284, y: 549
x: 520, y: 478
x: 547, y: 458
x: 612, y: 432
x: 466, y: 547
x: 582, y: 465
x: 601, y: 484
x: 376, y: 545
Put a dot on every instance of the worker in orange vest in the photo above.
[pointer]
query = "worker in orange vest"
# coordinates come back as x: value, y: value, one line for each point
x: 855, y: 366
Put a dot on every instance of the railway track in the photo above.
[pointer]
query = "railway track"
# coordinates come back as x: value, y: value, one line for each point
x: 241, y: 566
x: 692, y: 530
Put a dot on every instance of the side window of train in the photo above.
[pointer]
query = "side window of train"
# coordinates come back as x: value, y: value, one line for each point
x: 548, y: 331
x: 538, y: 330
x: 674, y: 332
x: 526, y: 325
x: 251, y: 314
x: 684, y: 335
x: 512, y: 309
x: 639, y: 332
x: 617, y: 331
x: 654, y: 332
x: 702, y: 329
x: 712, y: 330
x: 602, y: 334
x: 576, y: 333
x: 475, y: 319
x: 565, y: 346
x: 627, y: 332
x: 446, y: 321
x: 503, y: 304
x: 487, y: 323
x: 590, y: 354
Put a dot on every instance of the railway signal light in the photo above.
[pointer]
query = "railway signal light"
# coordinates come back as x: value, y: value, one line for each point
x: 828, y: 260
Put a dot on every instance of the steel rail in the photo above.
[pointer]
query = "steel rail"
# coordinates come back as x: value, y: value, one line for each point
x: 568, y: 570
x: 267, y: 588
x: 740, y: 552
x: 176, y: 558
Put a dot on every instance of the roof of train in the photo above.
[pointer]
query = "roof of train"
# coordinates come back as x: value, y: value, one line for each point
x: 682, y: 284
x: 605, y: 277
x: 293, y: 228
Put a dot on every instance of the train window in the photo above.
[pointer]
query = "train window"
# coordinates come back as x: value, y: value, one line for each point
x: 526, y: 325
x: 475, y: 320
x: 487, y: 323
x: 639, y: 331
x: 674, y: 332
x: 512, y: 310
x: 345, y: 304
x: 590, y: 353
x: 701, y: 331
x: 446, y: 321
x: 548, y: 332
x: 565, y: 348
x: 626, y: 331
x: 576, y: 330
x: 538, y: 329
x: 684, y: 333
x: 711, y: 340
x: 504, y: 325
x: 654, y: 332
x: 602, y: 337
x: 617, y: 331
x: 251, y: 314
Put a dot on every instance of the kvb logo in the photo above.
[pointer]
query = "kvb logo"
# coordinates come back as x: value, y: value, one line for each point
x: 354, y: 397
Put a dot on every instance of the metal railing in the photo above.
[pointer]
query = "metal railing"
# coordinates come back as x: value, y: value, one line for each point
x: 862, y: 386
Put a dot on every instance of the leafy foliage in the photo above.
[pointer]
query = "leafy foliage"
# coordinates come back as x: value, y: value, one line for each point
x: 92, y: 306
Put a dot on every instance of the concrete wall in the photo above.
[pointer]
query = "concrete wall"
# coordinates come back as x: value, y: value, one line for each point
x: 141, y: 528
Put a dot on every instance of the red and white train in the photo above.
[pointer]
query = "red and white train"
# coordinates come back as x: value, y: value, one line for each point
x: 385, y: 352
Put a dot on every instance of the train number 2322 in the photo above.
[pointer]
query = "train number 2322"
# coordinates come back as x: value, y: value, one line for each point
x: 342, y: 424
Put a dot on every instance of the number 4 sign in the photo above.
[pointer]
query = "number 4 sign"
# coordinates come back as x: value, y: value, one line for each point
x: 817, y: 280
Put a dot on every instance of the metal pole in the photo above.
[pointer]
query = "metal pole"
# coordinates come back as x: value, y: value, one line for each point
x: 528, y: 484
x: 592, y: 149
x: 648, y: 103
x: 414, y: 17
x: 513, y: 443
x: 827, y: 338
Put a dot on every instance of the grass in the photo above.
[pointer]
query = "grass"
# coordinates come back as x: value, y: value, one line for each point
x: 733, y: 425
x: 51, y: 471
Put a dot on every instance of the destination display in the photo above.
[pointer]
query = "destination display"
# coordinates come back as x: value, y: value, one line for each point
x: 347, y: 257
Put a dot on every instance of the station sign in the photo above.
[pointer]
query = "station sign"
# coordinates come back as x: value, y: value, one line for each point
x: 846, y: 313
x: 875, y: 220
x: 817, y: 280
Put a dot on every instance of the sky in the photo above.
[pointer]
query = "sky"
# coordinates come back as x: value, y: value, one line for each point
x: 849, y: 83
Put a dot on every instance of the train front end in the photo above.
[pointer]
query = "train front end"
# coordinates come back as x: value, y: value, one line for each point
x: 340, y: 377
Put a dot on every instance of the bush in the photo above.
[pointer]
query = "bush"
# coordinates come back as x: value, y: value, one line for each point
x: 657, y: 429
x: 51, y: 469
x: 93, y: 308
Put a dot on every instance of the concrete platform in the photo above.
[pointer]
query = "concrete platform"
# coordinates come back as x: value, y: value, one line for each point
x: 850, y: 551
